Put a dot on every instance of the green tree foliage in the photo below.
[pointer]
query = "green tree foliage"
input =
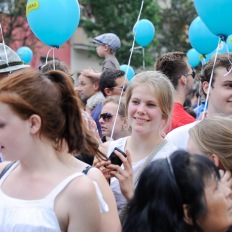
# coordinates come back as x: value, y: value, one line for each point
x: 119, y: 17
x: 176, y: 18
x: 14, y: 23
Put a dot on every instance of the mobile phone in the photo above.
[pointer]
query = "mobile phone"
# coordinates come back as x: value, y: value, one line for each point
x: 114, y: 158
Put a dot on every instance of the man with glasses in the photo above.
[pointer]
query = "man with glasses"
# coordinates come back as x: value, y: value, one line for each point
x: 219, y: 99
x: 175, y: 66
x: 111, y: 82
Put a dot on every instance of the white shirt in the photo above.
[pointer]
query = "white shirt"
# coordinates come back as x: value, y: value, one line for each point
x: 179, y: 136
x: 165, y: 151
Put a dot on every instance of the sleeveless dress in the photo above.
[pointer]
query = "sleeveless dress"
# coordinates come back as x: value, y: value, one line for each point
x: 17, y: 215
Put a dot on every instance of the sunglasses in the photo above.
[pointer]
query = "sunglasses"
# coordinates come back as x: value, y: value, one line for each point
x: 193, y: 74
x: 106, y: 117
x: 124, y: 87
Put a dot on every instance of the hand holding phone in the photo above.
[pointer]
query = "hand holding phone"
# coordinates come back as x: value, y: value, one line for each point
x: 115, y: 159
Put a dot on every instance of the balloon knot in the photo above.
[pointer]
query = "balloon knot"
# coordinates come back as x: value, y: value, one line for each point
x: 223, y: 37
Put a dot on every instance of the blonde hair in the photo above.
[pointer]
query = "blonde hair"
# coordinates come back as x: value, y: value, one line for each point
x: 214, y: 136
x: 162, y: 87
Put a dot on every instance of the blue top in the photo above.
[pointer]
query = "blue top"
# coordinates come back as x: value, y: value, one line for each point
x: 95, y: 115
x: 198, y: 110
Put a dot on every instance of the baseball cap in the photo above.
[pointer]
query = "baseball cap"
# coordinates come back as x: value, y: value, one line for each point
x: 110, y: 39
x: 10, y: 60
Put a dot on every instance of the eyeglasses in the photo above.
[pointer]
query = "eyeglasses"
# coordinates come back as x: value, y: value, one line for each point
x: 107, y: 117
x: 124, y: 87
x: 193, y: 74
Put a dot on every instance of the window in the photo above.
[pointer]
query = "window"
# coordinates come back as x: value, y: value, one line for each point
x: 6, y: 6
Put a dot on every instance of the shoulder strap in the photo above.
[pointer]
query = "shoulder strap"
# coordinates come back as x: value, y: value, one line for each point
x: 123, y: 213
x: 6, y: 169
x: 85, y: 171
x: 149, y: 159
x: 53, y: 194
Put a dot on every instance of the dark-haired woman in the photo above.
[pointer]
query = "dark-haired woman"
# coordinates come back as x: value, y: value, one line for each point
x: 180, y: 193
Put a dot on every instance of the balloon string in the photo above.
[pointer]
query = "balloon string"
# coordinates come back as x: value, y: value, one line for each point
x: 199, y: 98
x: 46, y: 61
x: 211, y: 78
x: 228, y: 55
x: 53, y: 59
x: 143, y: 58
x: 4, y: 43
x: 129, y: 61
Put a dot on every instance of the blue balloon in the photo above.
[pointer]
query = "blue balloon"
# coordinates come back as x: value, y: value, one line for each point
x: 25, y: 54
x: 229, y: 43
x: 216, y: 14
x: 194, y: 58
x: 221, y: 50
x: 144, y: 32
x: 129, y: 71
x: 201, y: 38
x: 53, y: 21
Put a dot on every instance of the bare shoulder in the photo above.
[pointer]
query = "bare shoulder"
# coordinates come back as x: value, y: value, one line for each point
x: 82, y: 203
x: 81, y: 187
x: 96, y: 175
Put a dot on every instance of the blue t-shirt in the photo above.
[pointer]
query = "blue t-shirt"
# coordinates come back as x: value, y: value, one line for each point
x: 198, y: 110
x: 95, y: 115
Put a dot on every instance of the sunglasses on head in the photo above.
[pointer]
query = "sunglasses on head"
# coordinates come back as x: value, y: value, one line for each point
x: 106, y: 117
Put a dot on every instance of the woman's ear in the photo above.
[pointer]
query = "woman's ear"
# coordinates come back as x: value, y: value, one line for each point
x: 216, y: 161
x: 124, y: 123
x: 35, y: 123
x: 187, y: 218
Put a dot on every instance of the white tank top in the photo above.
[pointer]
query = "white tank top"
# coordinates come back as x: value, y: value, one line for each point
x: 18, y: 215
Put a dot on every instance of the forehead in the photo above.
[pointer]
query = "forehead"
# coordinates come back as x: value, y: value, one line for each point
x: 220, y: 77
x: 145, y: 92
x: 85, y: 79
x: 6, y: 112
x: 109, y: 107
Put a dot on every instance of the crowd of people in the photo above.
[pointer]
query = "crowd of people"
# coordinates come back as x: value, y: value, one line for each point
x: 109, y: 155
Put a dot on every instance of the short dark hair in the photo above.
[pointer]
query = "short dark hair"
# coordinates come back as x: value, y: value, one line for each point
x: 162, y: 190
x: 107, y: 79
x: 173, y: 65
x: 222, y: 61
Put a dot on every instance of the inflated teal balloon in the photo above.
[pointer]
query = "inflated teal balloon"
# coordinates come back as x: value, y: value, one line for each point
x: 216, y: 14
x: 144, y: 32
x: 221, y: 50
x: 229, y: 43
x: 129, y: 71
x: 53, y: 21
x: 201, y: 38
x: 25, y: 53
x: 194, y: 58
